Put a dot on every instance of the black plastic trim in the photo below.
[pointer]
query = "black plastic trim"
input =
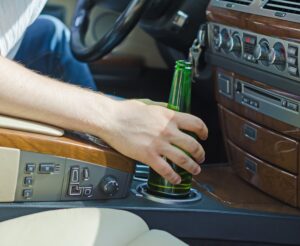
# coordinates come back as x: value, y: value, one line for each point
x: 206, y: 219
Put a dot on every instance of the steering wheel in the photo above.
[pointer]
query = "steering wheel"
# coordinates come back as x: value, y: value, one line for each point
x: 121, y: 28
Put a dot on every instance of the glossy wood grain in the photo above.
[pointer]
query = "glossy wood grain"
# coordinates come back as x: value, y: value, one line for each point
x: 259, y: 24
x: 253, y: 115
x: 222, y: 183
x: 66, y: 147
x: 267, y: 145
x: 274, y: 181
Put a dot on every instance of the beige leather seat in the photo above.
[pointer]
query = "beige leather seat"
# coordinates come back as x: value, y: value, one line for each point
x: 82, y: 227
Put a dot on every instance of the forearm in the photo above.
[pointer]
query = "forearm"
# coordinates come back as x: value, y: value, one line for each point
x: 143, y: 132
x: 28, y: 95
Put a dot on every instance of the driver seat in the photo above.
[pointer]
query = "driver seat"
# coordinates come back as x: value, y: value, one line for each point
x: 82, y: 227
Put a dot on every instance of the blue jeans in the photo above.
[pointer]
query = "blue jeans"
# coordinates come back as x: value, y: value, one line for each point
x: 45, y: 49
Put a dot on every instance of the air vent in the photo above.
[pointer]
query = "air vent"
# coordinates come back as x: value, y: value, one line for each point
x: 286, y: 6
x: 141, y: 172
x: 242, y: 2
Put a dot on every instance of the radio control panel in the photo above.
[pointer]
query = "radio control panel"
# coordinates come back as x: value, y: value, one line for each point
x: 261, y: 100
x: 266, y: 53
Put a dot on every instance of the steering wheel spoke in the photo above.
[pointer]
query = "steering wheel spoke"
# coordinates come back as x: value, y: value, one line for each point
x: 119, y: 31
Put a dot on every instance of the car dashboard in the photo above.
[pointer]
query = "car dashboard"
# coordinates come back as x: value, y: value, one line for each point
x: 252, y: 49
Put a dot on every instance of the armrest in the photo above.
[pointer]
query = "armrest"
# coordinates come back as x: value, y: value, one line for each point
x: 29, y: 126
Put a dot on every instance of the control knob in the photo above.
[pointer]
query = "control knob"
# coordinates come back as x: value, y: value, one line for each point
x: 235, y: 44
x: 109, y: 185
x: 277, y: 56
x: 262, y: 52
x: 226, y: 41
x: 218, y: 41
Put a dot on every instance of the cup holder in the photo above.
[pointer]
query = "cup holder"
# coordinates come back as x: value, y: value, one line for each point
x: 141, y: 191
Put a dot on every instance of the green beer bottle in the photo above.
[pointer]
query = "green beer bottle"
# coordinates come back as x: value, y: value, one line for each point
x: 179, y: 100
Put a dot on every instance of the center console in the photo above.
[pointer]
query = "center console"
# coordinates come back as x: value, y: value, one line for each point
x: 254, y: 49
x: 41, y: 164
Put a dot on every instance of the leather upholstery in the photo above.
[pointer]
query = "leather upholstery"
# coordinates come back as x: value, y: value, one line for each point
x: 82, y: 227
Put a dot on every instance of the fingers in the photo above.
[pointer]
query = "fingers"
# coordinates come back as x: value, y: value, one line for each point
x: 163, y: 168
x: 181, y: 159
x: 189, y: 144
x: 191, y: 123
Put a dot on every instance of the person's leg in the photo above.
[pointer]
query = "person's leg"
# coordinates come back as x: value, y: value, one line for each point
x: 45, y: 48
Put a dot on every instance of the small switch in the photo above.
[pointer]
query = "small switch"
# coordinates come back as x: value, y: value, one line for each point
x: 28, y: 181
x: 88, y: 191
x: 292, y: 50
x: 27, y: 193
x: 180, y: 19
x: 47, y: 168
x: 252, y: 103
x: 255, y: 104
x: 292, y: 61
x: 30, y: 168
x: 75, y: 190
x: 292, y: 106
x: 293, y: 70
x: 85, y: 173
x: 246, y: 100
x: 284, y: 103
x: 74, y: 175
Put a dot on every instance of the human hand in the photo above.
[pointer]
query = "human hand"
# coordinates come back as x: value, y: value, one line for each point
x: 148, y: 133
x: 151, y: 102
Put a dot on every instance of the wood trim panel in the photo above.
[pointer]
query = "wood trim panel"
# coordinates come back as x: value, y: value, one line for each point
x: 66, y: 147
x: 255, y: 23
x: 267, y: 145
x: 269, y: 179
x: 232, y: 191
x: 253, y: 115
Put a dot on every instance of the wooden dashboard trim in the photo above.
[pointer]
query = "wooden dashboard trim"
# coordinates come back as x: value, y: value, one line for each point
x: 66, y: 147
x: 268, y: 145
x: 255, y: 23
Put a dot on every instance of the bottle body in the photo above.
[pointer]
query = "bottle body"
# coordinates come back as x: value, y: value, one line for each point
x: 179, y: 100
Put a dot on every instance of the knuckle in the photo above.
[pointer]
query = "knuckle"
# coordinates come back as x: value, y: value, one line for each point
x: 194, y: 148
x: 165, y: 170
x: 167, y: 133
x: 182, y: 160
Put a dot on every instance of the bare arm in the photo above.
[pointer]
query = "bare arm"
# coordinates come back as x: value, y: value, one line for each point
x: 142, y: 132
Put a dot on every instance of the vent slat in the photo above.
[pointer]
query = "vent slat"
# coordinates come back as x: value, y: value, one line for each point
x: 141, y: 172
x: 242, y: 2
x: 287, y: 6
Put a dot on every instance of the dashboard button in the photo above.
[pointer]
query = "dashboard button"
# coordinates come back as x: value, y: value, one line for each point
x: 293, y: 70
x: 284, y: 103
x: 28, y: 181
x: 47, y: 168
x: 30, y: 168
x: 292, y: 50
x: 85, y: 173
x: 88, y: 191
x: 74, y: 175
x: 292, y: 106
x: 292, y: 61
x: 75, y: 190
x: 27, y: 193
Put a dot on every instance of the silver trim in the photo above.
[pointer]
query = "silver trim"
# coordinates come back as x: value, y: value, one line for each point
x: 259, y: 64
x: 257, y: 8
x: 270, y: 103
x: 141, y: 191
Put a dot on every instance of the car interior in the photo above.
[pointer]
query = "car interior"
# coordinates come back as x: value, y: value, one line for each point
x: 245, y: 58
